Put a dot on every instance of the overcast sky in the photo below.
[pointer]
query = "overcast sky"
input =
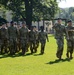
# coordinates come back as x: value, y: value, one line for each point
x: 66, y: 4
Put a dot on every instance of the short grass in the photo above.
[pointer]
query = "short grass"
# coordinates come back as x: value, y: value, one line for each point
x: 36, y: 64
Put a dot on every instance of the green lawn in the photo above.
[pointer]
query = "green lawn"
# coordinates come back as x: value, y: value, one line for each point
x: 35, y: 64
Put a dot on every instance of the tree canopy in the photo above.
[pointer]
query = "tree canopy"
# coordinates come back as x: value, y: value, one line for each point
x: 31, y: 10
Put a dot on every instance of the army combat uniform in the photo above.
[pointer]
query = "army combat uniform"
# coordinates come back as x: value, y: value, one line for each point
x: 4, y: 39
x: 42, y: 38
x: 23, y: 39
x: 37, y: 39
x: 59, y: 36
x: 70, y: 41
x: 12, y: 33
x: 32, y: 40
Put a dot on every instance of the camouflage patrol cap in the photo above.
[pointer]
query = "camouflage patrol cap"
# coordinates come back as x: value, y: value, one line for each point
x: 3, y: 23
x: 24, y: 22
x: 12, y: 22
x: 59, y: 19
x: 41, y: 27
x: 69, y: 21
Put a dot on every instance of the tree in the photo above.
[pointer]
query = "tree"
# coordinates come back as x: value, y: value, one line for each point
x: 31, y: 9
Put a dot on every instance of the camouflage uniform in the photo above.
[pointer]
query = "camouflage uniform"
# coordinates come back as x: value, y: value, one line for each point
x: 12, y: 32
x: 23, y: 39
x: 70, y: 41
x: 32, y: 40
x: 59, y: 36
x: 37, y: 40
x: 0, y: 40
x: 18, y: 38
x: 42, y: 38
x: 4, y: 39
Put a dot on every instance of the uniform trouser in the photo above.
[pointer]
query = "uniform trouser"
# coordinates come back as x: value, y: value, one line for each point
x: 4, y: 45
x: 37, y: 43
x: 60, y: 44
x: 13, y: 45
x: 32, y: 46
x: 23, y: 46
x: 43, y: 42
x: 70, y: 45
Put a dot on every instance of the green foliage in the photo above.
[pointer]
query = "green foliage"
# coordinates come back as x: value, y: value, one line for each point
x: 32, y: 10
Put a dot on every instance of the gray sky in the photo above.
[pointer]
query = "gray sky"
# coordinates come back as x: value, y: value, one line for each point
x: 66, y: 4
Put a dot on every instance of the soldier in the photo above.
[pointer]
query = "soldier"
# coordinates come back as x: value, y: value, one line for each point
x: 0, y: 38
x: 59, y: 36
x: 12, y: 32
x: 4, y: 38
x: 23, y: 38
x: 42, y: 38
x: 37, y: 40
x: 32, y: 40
x: 70, y: 39
x: 18, y: 39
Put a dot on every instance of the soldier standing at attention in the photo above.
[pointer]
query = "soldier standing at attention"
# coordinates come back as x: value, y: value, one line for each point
x: 23, y: 38
x: 32, y: 40
x: 42, y: 38
x: 70, y: 39
x: 12, y: 32
x: 59, y: 29
x: 4, y: 38
x: 37, y: 40
x: 0, y: 38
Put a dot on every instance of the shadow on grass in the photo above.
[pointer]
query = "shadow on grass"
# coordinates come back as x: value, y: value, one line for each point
x: 38, y: 54
x: 58, y: 61
x: 13, y: 56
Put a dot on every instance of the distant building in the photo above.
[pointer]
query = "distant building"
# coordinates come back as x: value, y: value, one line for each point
x: 47, y: 25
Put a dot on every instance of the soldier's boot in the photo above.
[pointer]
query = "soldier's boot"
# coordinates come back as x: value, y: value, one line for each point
x: 42, y: 50
x: 2, y: 50
x: 23, y: 51
x: 6, y: 51
x: 71, y: 56
x: 35, y: 50
x: 67, y: 54
x: 32, y: 51
x: 57, y: 54
x: 27, y: 49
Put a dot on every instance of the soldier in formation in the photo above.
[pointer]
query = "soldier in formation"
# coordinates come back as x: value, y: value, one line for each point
x: 70, y: 39
x: 42, y: 38
x: 12, y: 33
x: 23, y: 33
x: 3, y: 38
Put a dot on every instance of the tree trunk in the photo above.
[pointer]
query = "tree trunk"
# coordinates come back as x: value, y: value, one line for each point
x: 28, y: 12
x: 38, y: 25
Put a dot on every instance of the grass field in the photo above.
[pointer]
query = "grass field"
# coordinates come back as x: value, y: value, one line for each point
x: 36, y: 64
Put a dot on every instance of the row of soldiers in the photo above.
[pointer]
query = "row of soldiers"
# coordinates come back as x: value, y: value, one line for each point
x: 13, y: 39
x: 60, y: 31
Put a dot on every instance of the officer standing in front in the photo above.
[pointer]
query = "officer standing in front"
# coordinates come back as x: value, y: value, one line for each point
x: 59, y: 30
